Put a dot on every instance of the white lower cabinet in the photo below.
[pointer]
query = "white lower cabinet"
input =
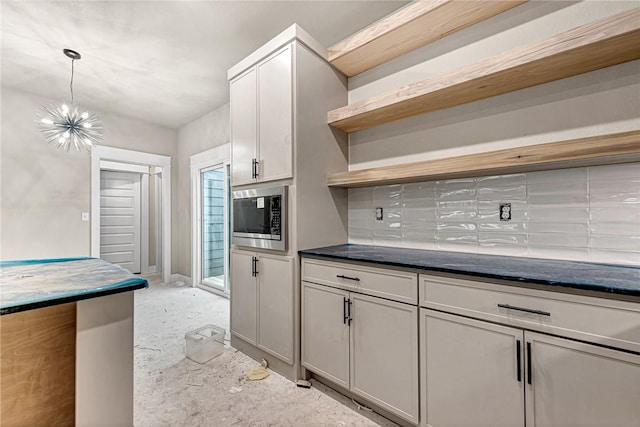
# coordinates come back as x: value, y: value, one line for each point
x: 366, y: 344
x: 578, y: 384
x: 476, y: 373
x: 325, y: 332
x: 470, y: 372
x: 262, y: 293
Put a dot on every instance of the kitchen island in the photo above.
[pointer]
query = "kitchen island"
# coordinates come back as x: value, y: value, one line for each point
x: 66, y: 330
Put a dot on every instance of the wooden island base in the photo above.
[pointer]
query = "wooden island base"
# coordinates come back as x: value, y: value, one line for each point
x: 38, y: 365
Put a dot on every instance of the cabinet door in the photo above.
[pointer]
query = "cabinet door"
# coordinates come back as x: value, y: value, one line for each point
x: 325, y: 332
x: 384, y: 354
x: 243, y: 127
x: 275, y: 306
x: 275, y: 101
x: 243, y: 296
x: 469, y: 372
x: 577, y: 384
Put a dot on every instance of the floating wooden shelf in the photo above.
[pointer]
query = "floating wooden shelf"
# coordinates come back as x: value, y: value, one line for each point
x: 415, y: 25
x: 597, y: 150
x: 590, y: 47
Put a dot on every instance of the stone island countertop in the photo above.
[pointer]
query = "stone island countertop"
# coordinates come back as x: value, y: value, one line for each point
x: 32, y: 284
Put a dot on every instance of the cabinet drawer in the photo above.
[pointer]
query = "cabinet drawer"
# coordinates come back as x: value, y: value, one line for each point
x: 600, y: 321
x: 391, y: 284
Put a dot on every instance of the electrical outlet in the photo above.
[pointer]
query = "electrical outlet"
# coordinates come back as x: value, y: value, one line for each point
x: 505, y: 211
x: 379, y: 214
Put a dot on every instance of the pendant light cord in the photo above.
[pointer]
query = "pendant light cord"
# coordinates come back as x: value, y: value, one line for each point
x: 71, y: 84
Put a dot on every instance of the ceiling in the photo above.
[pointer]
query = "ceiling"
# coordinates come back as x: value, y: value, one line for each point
x: 164, y: 62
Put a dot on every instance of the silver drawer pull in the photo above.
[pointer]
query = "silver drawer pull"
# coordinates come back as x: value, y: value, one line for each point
x: 340, y: 276
x: 526, y: 310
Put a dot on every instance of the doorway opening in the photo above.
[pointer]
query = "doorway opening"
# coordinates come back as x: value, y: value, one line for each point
x: 131, y: 209
x: 215, y: 214
x: 210, y: 219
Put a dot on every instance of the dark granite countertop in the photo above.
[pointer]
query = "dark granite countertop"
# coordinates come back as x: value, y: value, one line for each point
x: 31, y: 284
x: 606, y: 278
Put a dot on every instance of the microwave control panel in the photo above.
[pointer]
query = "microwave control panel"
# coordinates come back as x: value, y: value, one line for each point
x: 275, y: 215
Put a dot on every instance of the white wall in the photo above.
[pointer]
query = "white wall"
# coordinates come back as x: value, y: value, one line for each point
x: 210, y: 130
x: 43, y: 190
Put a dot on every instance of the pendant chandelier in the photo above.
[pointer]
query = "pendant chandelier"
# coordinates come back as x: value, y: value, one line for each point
x: 68, y: 125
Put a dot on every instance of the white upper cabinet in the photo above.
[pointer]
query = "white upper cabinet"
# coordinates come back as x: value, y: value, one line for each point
x: 262, y: 120
x: 275, y: 104
x: 244, y: 121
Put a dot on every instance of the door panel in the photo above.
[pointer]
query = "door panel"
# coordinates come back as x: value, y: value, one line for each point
x: 384, y: 354
x: 120, y: 219
x: 243, y: 297
x: 275, y: 306
x: 469, y: 372
x: 581, y: 385
x: 275, y: 116
x: 243, y: 127
x: 325, y: 333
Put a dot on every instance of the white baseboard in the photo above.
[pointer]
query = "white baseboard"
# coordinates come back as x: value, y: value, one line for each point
x: 152, y: 269
x: 176, y: 277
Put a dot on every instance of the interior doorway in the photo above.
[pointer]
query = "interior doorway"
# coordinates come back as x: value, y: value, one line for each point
x: 154, y: 171
x: 210, y: 219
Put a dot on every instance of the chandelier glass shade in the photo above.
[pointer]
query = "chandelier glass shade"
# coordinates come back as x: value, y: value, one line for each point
x: 69, y: 125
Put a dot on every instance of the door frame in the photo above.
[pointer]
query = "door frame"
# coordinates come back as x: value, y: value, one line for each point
x: 162, y: 164
x: 219, y: 156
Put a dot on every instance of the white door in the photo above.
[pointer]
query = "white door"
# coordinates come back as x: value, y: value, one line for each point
x: 120, y: 219
x: 275, y: 305
x: 325, y: 332
x: 573, y: 384
x: 275, y: 117
x: 244, y: 296
x: 472, y: 372
x: 384, y: 354
x: 244, y: 128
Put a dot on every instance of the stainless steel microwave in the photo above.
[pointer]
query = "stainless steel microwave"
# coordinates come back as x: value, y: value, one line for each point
x: 260, y: 218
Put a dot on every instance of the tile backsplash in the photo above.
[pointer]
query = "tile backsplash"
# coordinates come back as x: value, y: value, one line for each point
x: 585, y: 214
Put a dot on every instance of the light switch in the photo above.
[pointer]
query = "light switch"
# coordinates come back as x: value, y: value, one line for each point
x: 85, y: 216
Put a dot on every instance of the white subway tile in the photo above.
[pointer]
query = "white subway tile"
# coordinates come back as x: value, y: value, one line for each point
x: 488, y: 238
x: 558, y: 177
x: 558, y: 187
x: 503, y: 250
x: 457, y: 226
x: 615, y: 257
x: 619, y: 243
x: 551, y: 252
x: 558, y: 227
x: 614, y: 187
x: 502, y: 180
x: 503, y: 193
x: 625, y: 171
x: 559, y: 240
x: 562, y: 199
x: 502, y: 226
x: 615, y: 198
x: 615, y: 228
x: 558, y: 213
x: 614, y: 214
